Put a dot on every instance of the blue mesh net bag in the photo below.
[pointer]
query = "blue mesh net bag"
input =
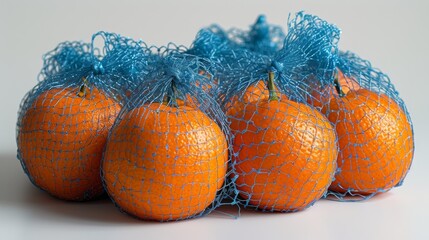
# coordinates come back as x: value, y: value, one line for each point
x: 284, y: 151
x: 167, y: 154
x: 63, y: 122
x: 375, y: 132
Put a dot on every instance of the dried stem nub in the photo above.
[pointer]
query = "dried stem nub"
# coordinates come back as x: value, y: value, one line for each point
x: 83, y: 90
x: 171, y: 98
x: 338, y: 86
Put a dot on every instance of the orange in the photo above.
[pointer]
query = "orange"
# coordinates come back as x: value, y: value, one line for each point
x: 285, y: 154
x: 375, y: 140
x: 61, y: 140
x: 165, y: 163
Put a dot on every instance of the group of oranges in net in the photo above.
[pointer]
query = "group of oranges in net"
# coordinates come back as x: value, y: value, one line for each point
x: 168, y: 160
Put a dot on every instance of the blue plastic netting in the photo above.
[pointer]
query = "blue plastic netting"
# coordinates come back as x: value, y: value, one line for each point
x: 64, y: 120
x: 167, y: 154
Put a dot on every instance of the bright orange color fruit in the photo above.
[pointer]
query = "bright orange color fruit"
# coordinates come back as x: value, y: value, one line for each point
x: 61, y: 140
x: 375, y: 140
x: 286, y: 154
x: 164, y: 162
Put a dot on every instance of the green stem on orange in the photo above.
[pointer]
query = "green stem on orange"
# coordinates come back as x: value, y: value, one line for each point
x: 271, y: 87
x: 338, y: 86
x: 83, y: 90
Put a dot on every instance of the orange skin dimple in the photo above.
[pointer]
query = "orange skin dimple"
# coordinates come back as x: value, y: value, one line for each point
x: 165, y: 163
x: 286, y: 154
x: 61, y: 140
x: 375, y: 140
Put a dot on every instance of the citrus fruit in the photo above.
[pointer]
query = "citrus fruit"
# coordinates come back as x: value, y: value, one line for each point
x: 61, y: 139
x: 375, y: 141
x: 165, y: 162
x: 285, y: 154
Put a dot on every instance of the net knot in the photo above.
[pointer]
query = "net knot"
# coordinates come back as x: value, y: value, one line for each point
x: 276, y: 66
x: 98, y: 68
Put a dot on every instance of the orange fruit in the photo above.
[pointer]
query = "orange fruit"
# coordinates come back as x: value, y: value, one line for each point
x: 285, y: 154
x: 61, y: 139
x: 375, y: 140
x: 165, y: 163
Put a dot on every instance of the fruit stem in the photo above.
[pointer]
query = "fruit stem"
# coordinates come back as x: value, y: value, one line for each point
x: 83, y: 89
x: 171, y: 99
x: 271, y: 88
x: 338, y: 86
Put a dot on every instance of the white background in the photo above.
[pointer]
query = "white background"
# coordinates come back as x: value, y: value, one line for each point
x: 392, y: 34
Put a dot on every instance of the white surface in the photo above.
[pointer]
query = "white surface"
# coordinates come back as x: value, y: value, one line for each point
x: 392, y: 34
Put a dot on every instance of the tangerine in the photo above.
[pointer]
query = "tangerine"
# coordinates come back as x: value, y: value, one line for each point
x: 285, y: 154
x: 375, y: 141
x: 165, y: 162
x: 61, y: 139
